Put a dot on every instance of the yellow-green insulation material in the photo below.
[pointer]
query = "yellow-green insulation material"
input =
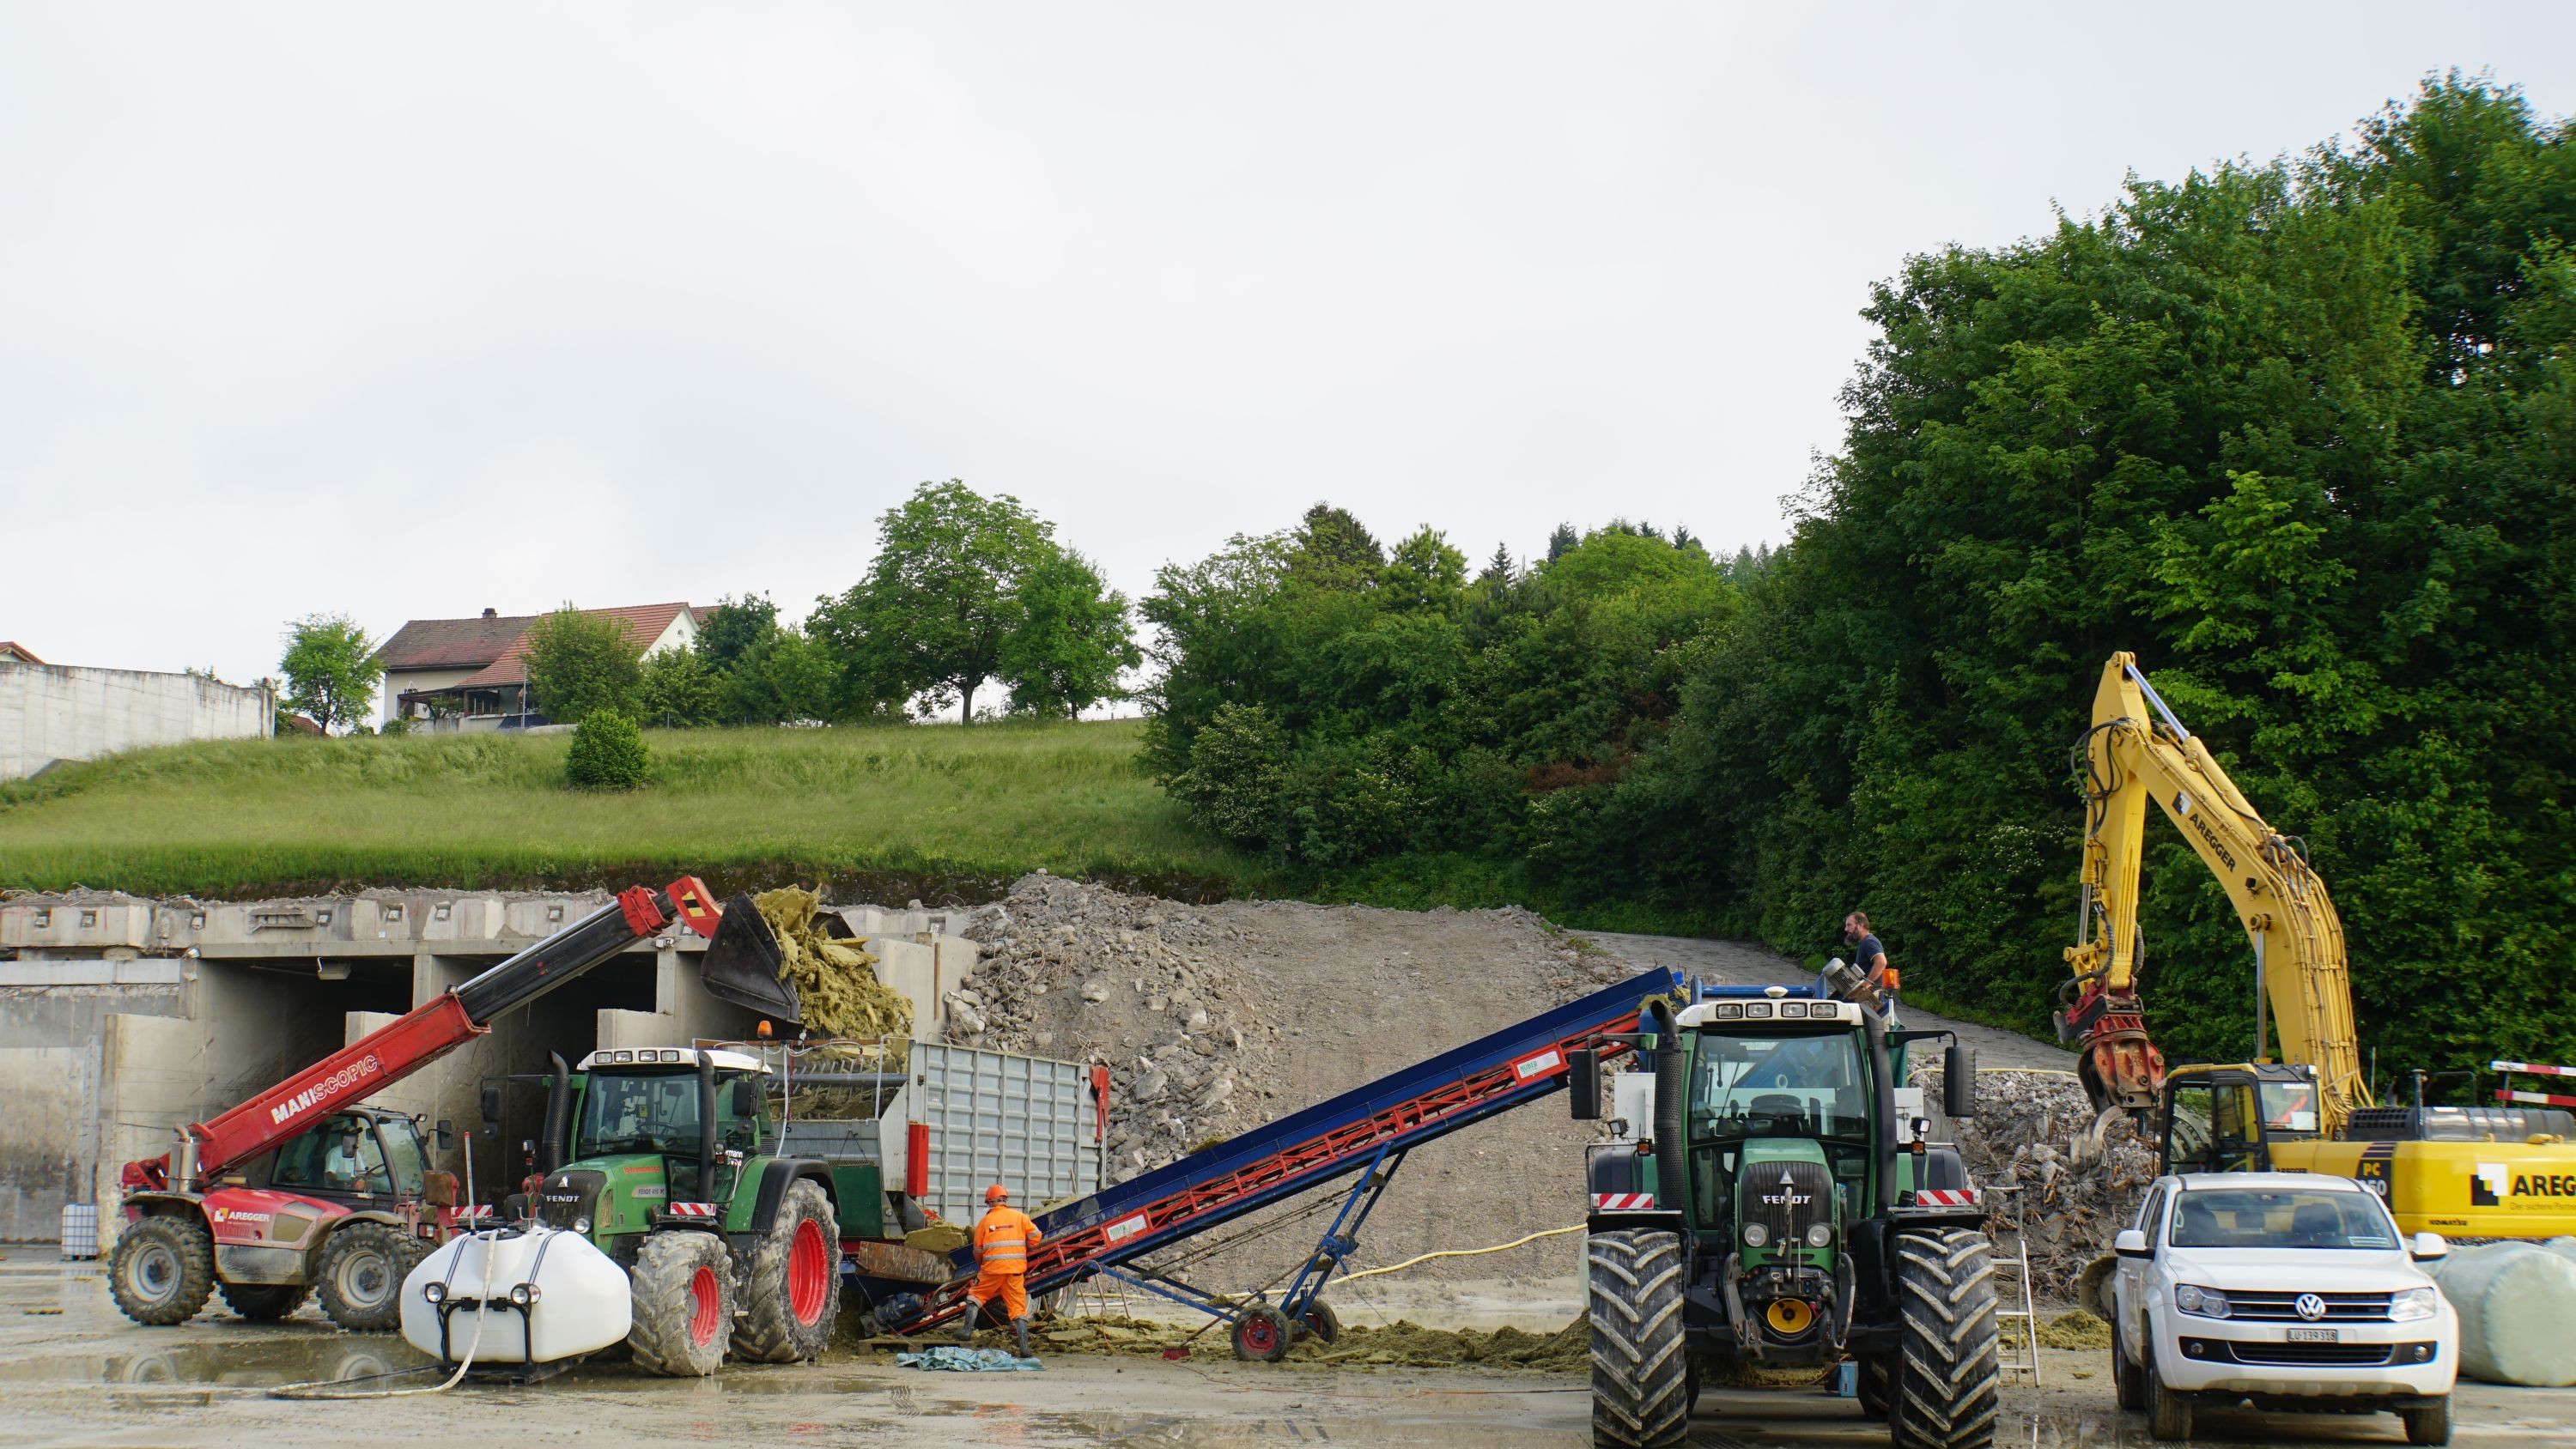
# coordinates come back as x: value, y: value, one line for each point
x: 836, y: 980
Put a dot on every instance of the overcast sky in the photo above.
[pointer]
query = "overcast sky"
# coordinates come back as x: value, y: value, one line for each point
x: 410, y: 312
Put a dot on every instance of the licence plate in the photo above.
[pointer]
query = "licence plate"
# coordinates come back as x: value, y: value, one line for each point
x: 2313, y: 1335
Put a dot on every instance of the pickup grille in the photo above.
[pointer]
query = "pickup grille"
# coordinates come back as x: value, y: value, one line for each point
x: 1786, y: 1197
x: 2306, y: 1355
x: 2283, y: 1307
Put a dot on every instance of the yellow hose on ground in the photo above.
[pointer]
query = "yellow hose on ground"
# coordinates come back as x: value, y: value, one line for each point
x: 1457, y: 1253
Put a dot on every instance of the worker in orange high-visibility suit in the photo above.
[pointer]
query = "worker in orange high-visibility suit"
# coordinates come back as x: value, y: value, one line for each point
x: 1004, y: 1238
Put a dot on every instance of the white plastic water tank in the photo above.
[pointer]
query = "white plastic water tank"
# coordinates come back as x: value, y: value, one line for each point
x: 578, y: 1300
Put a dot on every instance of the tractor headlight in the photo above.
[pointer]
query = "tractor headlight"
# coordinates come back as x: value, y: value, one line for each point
x: 435, y: 1293
x: 2413, y: 1304
x: 2200, y: 1302
x: 524, y: 1294
x: 1756, y: 1235
x: 1819, y: 1235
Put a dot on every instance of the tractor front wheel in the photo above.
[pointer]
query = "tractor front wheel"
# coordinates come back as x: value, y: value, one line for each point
x: 163, y: 1269
x: 1640, y: 1372
x: 795, y: 1281
x: 1948, y: 1371
x: 1874, y: 1384
x: 684, y: 1301
x: 263, y: 1302
x: 360, y: 1276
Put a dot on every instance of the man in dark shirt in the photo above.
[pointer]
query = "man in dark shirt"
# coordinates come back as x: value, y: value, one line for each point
x: 1867, y: 954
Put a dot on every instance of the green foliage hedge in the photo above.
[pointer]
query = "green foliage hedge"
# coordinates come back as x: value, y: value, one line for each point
x: 2303, y: 435
x: 607, y: 753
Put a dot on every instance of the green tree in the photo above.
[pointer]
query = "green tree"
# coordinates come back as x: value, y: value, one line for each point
x: 578, y: 664
x: 607, y: 753
x: 733, y: 626
x: 674, y: 689
x: 1075, y: 636
x: 331, y: 670
x: 941, y: 601
x: 783, y: 677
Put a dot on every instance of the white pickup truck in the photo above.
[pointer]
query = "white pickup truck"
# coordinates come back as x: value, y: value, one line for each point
x: 2291, y: 1289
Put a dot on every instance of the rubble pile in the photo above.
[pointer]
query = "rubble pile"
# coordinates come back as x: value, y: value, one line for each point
x: 2020, y: 1151
x: 1080, y: 972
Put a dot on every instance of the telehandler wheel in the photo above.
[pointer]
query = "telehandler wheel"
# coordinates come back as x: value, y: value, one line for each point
x: 163, y: 1268
x: 1948, y: 1370
x: 795, y: 1282
x: 684, y: 1301
x: 1640, y: 1373
x: 263, y: 1302
x: 360, y: 1276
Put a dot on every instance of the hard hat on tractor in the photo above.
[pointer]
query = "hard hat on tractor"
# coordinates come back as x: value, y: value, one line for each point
x: 996, y: 1193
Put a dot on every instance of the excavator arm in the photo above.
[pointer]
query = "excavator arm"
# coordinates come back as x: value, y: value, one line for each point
x: 2126, y: 759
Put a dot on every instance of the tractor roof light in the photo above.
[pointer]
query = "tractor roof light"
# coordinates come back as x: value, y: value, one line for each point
x: 1793, y: 1008
x: 1730, y: 1011
x: 1758, y: 1009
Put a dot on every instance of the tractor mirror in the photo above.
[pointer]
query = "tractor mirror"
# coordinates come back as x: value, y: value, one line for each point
x: 445, y: 1132
x: 1959, y: 1081
x: 491, y: 1105
x: 746, y: 1097
x: 1583, y: 1084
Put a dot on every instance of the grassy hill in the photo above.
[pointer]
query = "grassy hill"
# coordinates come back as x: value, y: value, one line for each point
x: 935, y: 810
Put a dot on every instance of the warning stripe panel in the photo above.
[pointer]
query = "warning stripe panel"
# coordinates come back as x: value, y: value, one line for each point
x: 1945, y: 1196
x: 1620, y: 1202
x: 2536, y: 1099
x: 2534, y: 1068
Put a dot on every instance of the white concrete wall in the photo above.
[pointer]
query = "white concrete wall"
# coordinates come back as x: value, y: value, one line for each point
x: 50, y: 712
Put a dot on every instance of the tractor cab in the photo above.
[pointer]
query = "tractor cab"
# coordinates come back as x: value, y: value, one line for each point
x: 638, y: 1137
x: 2229, y: 1118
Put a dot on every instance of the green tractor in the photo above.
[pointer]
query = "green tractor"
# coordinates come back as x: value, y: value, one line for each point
x: 656, y: 1155
x: 1770, y: 1199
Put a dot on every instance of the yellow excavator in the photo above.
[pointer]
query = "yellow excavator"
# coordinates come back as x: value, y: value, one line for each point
x: 2479, y: 1172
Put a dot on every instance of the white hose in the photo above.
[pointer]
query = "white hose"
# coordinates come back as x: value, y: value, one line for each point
x: 482, y: 1315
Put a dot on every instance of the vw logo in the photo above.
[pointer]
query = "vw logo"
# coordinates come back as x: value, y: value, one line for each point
x: 2310, y: 1307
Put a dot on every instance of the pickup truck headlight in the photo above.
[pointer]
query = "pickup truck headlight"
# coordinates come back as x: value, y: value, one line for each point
x: 2204, y: 1302
x: 2414, y: 1304
x: 1756, y: 1235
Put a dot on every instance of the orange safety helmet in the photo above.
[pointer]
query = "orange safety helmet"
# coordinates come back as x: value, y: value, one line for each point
x: 996, y: 1193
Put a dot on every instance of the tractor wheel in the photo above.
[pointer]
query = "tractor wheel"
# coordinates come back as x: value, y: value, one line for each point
x: 795, y: 1282
x: 360, y: 1276
x: 263, y: 1302
x: 1640, y: 1373
x: 683, y: 1285
x: 1874, y: 1385
x: 1947, y: 1371
x: 163, y: 1268
x: 1261, y: 1335
x: 1320, y: 1321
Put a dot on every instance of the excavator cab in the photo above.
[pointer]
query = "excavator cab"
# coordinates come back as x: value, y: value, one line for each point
x: 2228, y: 1118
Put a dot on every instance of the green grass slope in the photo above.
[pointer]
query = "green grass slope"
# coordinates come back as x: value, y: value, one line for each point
x: 940, y: 810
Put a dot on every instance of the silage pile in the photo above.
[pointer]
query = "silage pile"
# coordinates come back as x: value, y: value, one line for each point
x: 835, y: 979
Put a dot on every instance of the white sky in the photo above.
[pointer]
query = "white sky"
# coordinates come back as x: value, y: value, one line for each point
x: 409, y: 312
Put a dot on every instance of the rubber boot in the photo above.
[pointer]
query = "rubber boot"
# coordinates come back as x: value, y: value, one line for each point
x: 966, y: 1325
x: 1020, y: 1332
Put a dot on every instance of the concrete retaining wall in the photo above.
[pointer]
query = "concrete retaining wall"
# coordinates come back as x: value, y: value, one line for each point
x: 50, y: 712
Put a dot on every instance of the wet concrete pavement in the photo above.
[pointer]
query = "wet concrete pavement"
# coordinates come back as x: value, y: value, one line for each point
x: 73, y: 1372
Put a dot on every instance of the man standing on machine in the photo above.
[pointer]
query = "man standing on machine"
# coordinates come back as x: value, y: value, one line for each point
x: 1003, y: 1239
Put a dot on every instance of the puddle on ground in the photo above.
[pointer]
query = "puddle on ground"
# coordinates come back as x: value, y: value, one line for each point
x: 237, y: 1362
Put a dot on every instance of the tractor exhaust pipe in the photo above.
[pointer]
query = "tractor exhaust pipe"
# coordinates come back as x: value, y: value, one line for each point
x: 1672, y: 1086
x: 550, y: 1145
x: 706, y: 1125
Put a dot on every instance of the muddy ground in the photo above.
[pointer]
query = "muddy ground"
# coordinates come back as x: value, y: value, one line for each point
x: 73, y: 1372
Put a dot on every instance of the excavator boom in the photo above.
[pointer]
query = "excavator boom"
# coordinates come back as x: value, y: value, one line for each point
x: 2137, y: 751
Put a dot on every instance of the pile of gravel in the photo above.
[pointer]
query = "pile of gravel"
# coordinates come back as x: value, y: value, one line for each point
x: 1080, y: 972
x: 2019, y: 1150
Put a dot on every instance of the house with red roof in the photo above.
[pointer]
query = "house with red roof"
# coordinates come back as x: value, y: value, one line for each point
x: 471, y: 674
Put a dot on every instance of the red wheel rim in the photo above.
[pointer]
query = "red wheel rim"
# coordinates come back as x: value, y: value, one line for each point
x: 809, y: 1272
x: 710, y: 1310
x: 1259, y: 1337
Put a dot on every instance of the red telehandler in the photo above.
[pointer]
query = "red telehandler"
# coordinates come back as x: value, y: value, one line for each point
x: 299, y: 1190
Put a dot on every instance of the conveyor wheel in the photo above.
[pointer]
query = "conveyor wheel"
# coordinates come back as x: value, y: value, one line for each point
x: 1261, y: 1334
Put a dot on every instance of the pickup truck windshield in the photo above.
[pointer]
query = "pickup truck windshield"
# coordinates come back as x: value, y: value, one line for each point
x: 2237, y: 1217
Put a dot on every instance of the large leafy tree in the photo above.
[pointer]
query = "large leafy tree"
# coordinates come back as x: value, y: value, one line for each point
x: 1074, y: 639
x: 579, y: 664
x: 331, y: 670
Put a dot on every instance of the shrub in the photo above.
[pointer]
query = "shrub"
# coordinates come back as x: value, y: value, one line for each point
x: 607, y: 753
x: 1236, y: 771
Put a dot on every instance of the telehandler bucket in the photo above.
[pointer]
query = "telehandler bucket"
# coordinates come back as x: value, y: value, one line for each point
x: 741, y: 964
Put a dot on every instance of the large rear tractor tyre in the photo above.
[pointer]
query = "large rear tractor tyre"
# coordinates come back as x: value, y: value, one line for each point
x: 360, y: 1276
x: 795, y: 1282
x: 1640, y: 1373
x: 1948, y: 1370
x: 684, y: 1302
x: 163, y: 1269
x: 263, y: 1302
